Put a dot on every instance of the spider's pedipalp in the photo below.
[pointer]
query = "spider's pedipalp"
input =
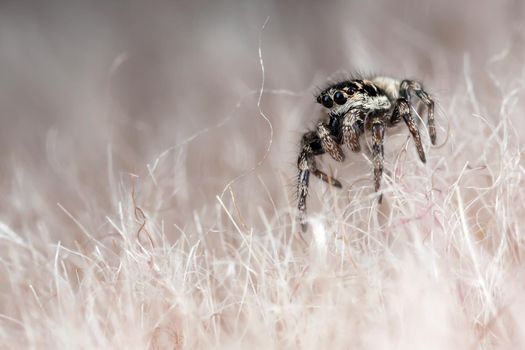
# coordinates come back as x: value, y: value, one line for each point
x: 352, y: 129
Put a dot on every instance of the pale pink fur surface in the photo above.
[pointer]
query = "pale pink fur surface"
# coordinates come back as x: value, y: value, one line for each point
x: 148, y: 171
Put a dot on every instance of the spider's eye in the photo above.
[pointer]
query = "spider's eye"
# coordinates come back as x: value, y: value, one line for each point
x: 339, y: 98
x: 327, y: 101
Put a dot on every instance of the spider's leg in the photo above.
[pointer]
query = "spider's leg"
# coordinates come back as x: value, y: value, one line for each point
x: 328, y: 143
x: 310, y: 147
x: 378, y: 135
x: 402, y: 110
x: 327, y: 178
x: 427, y: 100
x: 303, y: 180
x: 411, y: 85
x: 352, y: 130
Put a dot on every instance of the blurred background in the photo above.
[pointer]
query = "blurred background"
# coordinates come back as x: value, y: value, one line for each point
x: 93, y: 91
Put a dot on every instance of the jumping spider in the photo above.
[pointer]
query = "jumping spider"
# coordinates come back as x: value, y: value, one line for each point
x: 354, y: 106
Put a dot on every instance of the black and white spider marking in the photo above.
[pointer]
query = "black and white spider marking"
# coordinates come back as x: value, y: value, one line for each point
x: 354, y: 106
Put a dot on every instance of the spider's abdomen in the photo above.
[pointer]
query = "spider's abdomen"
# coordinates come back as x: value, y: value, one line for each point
x: 389, y: 86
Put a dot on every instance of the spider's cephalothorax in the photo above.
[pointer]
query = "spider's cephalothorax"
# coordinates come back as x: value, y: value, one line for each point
x: 354, y: 106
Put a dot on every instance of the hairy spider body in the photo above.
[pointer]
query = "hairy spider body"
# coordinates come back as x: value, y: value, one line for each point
x: 353, y: 107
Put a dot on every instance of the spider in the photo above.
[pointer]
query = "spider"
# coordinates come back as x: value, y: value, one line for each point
x: 353, y: 107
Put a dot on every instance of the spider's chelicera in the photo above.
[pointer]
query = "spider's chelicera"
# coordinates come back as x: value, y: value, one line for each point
x: 354, y: 106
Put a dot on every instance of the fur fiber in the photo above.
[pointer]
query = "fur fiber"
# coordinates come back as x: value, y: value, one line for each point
x: 148, y: 173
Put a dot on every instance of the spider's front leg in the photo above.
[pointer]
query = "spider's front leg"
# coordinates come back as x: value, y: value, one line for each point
x: 311, y: 146
x: 415, y: 86
x: 328, y: 143
x: 378, y: 136
x: 402, y: 110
